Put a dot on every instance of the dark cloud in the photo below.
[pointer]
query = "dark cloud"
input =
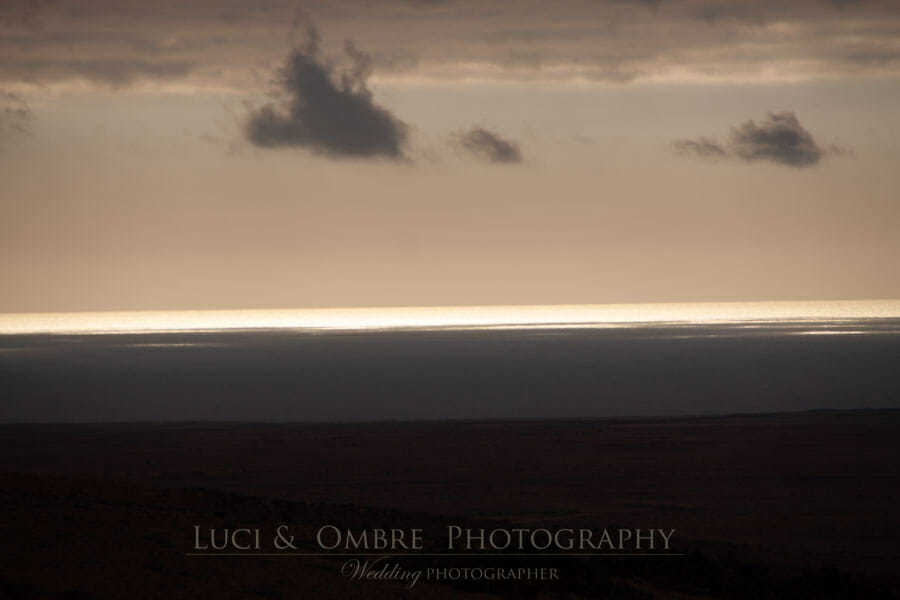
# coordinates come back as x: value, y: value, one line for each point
x: 615, y: 41
x: 871, y: 57
x: 779, y: 138
x: 328, y: 112
x: 490, y: 147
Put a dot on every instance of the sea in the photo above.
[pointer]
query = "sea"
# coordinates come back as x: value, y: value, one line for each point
x: 440, y: 363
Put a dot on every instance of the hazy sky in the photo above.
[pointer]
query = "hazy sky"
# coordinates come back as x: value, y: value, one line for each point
x: 213, y: 154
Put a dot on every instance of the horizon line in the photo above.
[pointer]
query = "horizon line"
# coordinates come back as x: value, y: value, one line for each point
x: 443, y: 317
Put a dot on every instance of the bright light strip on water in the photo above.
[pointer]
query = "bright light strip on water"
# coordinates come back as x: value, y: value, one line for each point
x: 474, y: 317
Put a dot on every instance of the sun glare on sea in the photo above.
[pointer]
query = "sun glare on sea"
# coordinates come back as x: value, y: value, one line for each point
x: 441, y: 317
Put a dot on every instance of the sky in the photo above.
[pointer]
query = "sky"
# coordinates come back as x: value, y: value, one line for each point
x: 219, y: 154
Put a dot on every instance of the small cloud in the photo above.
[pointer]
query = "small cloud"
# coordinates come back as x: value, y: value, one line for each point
x: 328, y: 112
x: 15, y: 116
x: 490, y: 147
x: 703, y: 147
x: 780, y: 138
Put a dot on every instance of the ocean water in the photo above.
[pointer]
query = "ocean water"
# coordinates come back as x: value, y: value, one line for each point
x: 450, y: 363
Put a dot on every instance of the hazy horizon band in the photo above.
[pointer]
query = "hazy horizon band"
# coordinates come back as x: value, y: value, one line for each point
x: 374, y: 318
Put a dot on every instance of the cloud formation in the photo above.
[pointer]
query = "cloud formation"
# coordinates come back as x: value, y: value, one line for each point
x: 328, y: 112
x: 15, y: 116
x: 779, y: 138
x: 490, y: 147
x: 611, y: 41
x: 704, y: 147
x: 110, y: 71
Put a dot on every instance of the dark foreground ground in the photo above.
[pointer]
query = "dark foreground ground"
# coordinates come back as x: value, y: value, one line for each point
x: 798, y: 505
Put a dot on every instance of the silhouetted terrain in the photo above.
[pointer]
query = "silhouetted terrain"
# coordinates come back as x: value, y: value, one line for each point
x: 764, y: 506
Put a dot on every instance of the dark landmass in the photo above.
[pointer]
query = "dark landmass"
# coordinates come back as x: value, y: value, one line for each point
x: 792, y: 505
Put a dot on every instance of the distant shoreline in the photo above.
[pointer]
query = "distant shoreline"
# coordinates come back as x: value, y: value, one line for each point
x: 616, y: 420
